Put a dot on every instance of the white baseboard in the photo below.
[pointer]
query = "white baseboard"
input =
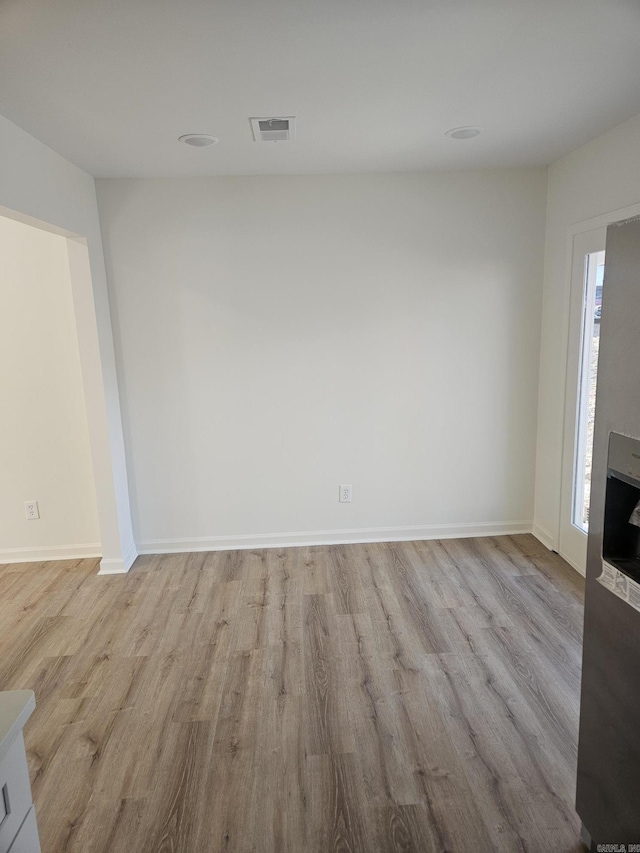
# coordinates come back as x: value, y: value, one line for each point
x: 548, y: 541
x: 543, y: 535
x: 46, y: 553
x: 119, y: 565
x: 110, y: 566
x: 333, y: 537
x: 579, y: 569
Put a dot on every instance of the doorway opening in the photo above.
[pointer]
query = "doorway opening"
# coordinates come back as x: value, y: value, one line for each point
x: 48, y: 504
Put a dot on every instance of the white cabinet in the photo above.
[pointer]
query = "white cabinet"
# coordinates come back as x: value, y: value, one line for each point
x: 18, y: 829
x: 27, y: 841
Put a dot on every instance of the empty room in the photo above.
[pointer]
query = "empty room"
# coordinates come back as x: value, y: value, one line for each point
x: 320, y: 426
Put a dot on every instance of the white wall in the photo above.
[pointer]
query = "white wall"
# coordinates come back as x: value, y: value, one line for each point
x: 36, y: 182
x: 44, y: 439
x: 278, y: 336
x: 597, y: 179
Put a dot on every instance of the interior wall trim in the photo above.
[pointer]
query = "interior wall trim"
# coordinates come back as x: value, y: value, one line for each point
x: 543, y: 535
x: 334, y: 537
x: 44, y: 554
x: 603, y: 220
x: 581, y: 570
x: 115, y: 566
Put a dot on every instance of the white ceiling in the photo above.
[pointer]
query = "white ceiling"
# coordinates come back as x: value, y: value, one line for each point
x: 111, y: 84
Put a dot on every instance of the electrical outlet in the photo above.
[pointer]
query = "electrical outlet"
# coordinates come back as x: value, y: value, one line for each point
x: 345, y: 494
x: 31, y: 510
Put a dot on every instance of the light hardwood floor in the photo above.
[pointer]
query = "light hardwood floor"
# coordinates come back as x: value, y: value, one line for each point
x: 391, y: 697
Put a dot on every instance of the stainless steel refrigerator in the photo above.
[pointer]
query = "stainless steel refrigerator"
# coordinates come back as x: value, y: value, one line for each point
x: 608, y: 785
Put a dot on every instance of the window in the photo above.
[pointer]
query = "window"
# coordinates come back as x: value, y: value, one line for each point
x: 590, y: 344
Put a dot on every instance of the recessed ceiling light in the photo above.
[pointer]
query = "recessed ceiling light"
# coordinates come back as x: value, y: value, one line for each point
x: 199, y: 140
x: 463, y: 132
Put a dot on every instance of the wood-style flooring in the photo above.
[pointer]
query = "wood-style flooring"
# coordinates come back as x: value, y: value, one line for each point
x: 414, y: 696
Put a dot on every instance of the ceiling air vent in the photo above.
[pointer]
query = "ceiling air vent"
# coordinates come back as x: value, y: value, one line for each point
x: 274, y: 129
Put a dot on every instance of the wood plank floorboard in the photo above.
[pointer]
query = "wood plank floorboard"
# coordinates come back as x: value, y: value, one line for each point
x: 413, y: 696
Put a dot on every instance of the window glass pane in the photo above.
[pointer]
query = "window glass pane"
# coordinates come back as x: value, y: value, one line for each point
x: 592, y: 308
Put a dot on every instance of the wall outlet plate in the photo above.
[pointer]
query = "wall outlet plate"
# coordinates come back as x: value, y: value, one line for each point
x: 31, y: 510
x: 345, y: 494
